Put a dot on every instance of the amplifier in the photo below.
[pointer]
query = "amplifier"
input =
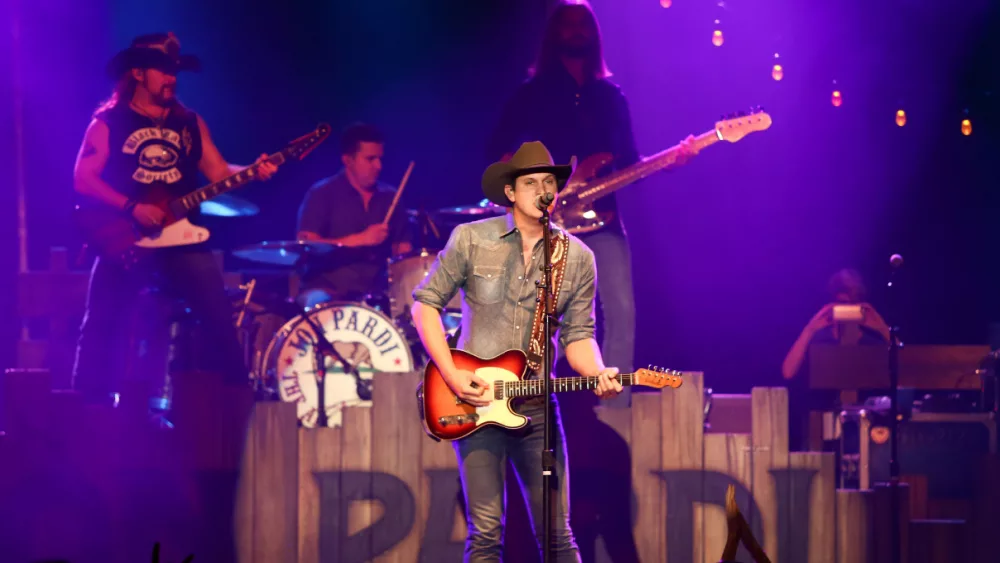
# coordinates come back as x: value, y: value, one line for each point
x: 944, y: 447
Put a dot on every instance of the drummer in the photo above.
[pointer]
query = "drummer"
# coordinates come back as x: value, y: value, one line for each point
x: 348, y: 209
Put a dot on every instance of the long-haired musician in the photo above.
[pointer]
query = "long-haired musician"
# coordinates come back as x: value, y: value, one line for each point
x: 142, y: 138
x: 570, y: 104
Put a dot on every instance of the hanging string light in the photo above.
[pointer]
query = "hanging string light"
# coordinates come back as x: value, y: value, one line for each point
x: 777, y: 72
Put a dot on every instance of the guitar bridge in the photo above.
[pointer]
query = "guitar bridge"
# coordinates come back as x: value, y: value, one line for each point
x: 458, y: 419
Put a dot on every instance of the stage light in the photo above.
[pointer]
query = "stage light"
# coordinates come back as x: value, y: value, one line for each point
x: 665, y: 3
x: 777, y: 72
x: 901, y: 118
x: 836, y: 99
x: 966, y: 127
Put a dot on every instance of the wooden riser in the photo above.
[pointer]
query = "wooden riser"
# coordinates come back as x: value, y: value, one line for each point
x: 91, y: 484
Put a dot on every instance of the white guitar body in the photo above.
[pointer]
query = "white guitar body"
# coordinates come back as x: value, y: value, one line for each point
x: 498, y: 411
x: 180, y: 233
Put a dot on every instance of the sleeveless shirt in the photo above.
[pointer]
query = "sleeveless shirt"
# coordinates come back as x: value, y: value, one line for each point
x: 143, y: 154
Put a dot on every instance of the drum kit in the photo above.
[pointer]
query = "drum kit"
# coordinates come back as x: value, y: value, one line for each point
x: 323, y: 356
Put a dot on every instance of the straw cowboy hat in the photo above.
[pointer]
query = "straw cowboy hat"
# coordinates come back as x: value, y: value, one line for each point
x: 161, y: 51
x: 530, y: 158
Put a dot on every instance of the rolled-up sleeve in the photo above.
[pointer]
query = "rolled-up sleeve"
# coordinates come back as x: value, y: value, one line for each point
x: 579, y: 319
x: 448, y: 273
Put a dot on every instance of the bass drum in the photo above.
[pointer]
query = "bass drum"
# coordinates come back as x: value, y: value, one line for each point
x: 361, y: 335
x: 405, y: 272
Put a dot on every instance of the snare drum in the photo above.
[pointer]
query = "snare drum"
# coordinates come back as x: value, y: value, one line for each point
x: 362, y: 335
x: 405, y: 272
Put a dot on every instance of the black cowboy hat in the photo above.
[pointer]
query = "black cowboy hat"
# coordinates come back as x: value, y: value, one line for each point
x: 530, y: 158
x: 155, y: 50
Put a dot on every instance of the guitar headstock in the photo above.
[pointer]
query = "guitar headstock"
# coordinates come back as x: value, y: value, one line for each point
x: 658, y: 377
x: 305, y: 144
x: 734, y: 127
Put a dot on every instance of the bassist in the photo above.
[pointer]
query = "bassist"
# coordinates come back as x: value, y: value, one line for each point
x: 142, y: 138
x: 570, y: 105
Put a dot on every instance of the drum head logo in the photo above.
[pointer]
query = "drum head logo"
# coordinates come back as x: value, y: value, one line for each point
x: 359, y: 341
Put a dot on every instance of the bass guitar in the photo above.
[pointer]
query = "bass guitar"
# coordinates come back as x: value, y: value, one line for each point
x: 574, y: 209
x: 446, y: 417
x: 114, y: 235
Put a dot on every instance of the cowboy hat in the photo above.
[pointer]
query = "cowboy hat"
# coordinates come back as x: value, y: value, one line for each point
x: 155, y: 50
x: 530, y: 158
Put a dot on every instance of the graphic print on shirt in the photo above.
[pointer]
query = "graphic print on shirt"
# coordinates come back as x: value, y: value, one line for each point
x: 158, y: 152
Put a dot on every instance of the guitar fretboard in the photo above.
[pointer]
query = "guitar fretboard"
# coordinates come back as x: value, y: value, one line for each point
x: 621, y: 178
x: 184, y: 204
x: 535, y: 387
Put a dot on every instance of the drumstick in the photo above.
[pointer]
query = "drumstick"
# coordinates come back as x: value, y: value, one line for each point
x: 399, y: 192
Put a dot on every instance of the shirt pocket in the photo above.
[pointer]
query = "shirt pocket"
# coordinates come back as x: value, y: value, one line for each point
x: 486, y: 286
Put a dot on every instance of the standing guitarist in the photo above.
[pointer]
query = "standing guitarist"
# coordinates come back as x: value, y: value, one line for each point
x: 496, y: 263
x: 141, y: 138
x: 571, y: 106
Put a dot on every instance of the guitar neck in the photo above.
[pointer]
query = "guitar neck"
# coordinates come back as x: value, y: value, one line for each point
x: 188, y: 202
x: 648, y: 166
x: 536, y: 387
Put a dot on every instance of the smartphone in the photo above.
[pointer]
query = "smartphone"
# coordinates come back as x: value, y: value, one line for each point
x: 848, y: 314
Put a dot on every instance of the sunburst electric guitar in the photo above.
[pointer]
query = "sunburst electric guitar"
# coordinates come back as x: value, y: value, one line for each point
x: 115, y: 235
x: 574, y: 209
x: 446, y: 417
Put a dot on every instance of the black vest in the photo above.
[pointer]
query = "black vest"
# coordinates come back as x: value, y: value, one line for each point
x: 142, y: 154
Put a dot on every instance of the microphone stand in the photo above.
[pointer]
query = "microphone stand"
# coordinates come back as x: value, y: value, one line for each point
x: 548, y: 454
x: 322, y: 348
x: 894, y: 346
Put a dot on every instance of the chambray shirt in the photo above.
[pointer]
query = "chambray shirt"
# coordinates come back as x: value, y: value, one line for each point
x: 484, y: 260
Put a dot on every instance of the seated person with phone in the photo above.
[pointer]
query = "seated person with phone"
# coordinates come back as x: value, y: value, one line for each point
x: 847, y: 320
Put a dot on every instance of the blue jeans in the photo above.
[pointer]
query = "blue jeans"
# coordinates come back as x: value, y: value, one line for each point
x: 614, y: 288
x: 482, y: 461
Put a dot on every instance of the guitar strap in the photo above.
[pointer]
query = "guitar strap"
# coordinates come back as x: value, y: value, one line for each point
x: 536, y: 346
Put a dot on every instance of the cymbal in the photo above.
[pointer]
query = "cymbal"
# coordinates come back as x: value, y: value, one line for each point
x: 226, y: 205
x: 485, y: 208
x: 284, y: 252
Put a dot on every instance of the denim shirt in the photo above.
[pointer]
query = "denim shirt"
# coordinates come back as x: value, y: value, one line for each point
x: 484, y: 260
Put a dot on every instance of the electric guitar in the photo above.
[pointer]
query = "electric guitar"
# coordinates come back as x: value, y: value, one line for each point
x: 574, y: 208
x: 446, y: 417
x: 117, y: 237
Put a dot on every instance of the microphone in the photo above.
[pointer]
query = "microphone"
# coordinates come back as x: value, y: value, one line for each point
x: 896, y: 260
x: 543, y: 201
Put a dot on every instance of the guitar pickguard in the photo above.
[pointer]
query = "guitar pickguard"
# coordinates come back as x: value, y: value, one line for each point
x: 180, y: 233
